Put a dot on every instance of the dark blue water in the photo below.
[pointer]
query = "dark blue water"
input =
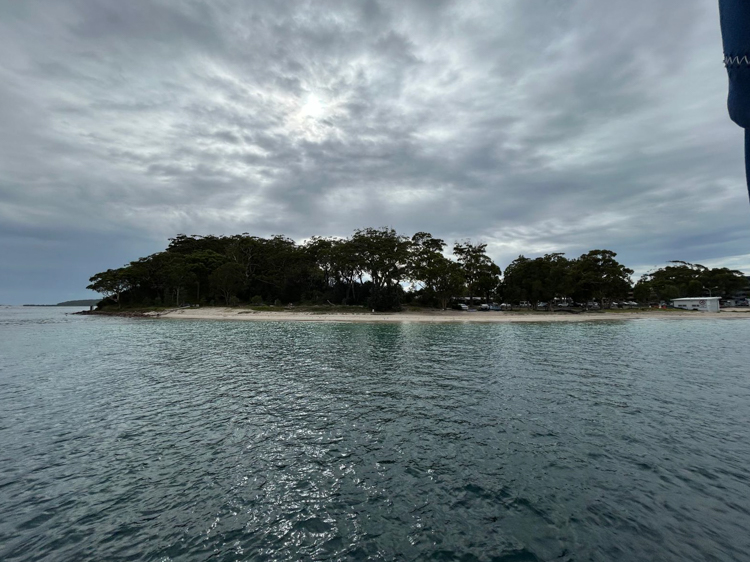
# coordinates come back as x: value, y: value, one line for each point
x: 176, y: 440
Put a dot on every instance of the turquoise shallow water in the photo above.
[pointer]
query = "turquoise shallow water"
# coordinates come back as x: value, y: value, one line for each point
x: 176, y: 440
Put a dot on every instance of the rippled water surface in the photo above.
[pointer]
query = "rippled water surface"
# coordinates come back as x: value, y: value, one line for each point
x: 176, y: 440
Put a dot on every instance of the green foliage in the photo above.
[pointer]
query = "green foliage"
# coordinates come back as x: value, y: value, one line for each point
x: 425, y: 259
x: 642, y: 292
x: 481, y: 274
x: 111, y: 283
x: 683, y: 279
x: 436, y: 278
x: 449, y: 281
x: 537, y: 280
x: 382, y: 255
x: 386, y: 298
x: 226, y: 281
x: 372, y: 267
x: 201, y: 264
x: 598, y: 275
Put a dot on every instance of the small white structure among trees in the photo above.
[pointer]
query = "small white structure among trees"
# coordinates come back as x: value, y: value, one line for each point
x: 704, y: 304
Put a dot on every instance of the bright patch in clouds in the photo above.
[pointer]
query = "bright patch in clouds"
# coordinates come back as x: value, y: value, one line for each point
x: 313, y: 107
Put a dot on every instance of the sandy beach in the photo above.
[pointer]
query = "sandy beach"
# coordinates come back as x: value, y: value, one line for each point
x: 448, y: 316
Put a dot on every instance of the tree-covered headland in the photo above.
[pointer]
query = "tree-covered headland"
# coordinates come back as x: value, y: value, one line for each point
x: 374, y: 267
x: 682, y: 279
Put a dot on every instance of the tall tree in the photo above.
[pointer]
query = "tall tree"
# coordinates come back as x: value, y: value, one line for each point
x: 723, y: 281
x: 227, y: 280
x: 347, y: 268
x: 476, y: 265
x: 431, y: 273
x: 449, y: 281
x: 425, y: 257
x: 178, y: 277
x: 111, y: 284
x: 321, y: 251
x: 599, y: 276
x: 382, y: 254
x: 201, y: 264
x: 537, y: 280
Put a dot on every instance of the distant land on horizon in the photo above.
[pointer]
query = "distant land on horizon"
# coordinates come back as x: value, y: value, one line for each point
x: 84, y: 302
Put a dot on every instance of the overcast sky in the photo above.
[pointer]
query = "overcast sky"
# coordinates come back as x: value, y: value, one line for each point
x: 532, y: 125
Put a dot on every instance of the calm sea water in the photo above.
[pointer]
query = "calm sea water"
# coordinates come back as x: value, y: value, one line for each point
x: 175, y: 440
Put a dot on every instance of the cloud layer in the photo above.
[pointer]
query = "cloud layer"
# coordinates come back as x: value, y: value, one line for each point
x: 534, y: 126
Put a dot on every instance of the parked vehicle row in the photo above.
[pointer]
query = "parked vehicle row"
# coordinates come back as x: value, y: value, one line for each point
x: 624, y: 304
x: 561, y: 304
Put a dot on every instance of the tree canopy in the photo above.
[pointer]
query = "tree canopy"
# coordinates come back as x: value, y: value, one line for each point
x: 683, y: 279
x: 382, y: 269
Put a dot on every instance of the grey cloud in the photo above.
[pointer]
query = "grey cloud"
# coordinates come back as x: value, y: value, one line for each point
x: 535, y: 126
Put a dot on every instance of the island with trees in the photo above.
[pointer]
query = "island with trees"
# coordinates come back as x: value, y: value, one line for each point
x: 76, y: 303
x: 382, y: 270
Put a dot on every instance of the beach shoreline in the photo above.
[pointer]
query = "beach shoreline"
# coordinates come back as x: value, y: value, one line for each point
x: 428, y: 316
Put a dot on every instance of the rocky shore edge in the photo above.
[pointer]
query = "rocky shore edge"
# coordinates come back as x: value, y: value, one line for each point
x: 121, y: 314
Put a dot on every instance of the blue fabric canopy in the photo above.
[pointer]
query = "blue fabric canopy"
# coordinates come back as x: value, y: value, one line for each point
x: 735, y: 31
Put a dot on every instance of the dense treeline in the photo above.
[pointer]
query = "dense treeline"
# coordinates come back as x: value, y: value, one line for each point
x: 374, y: 267
x: 683, y: 279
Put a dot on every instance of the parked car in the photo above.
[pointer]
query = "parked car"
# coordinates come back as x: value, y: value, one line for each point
x: 525, y: 304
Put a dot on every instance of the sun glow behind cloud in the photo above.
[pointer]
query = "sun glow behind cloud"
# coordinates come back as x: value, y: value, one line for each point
x: 313, y: 107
